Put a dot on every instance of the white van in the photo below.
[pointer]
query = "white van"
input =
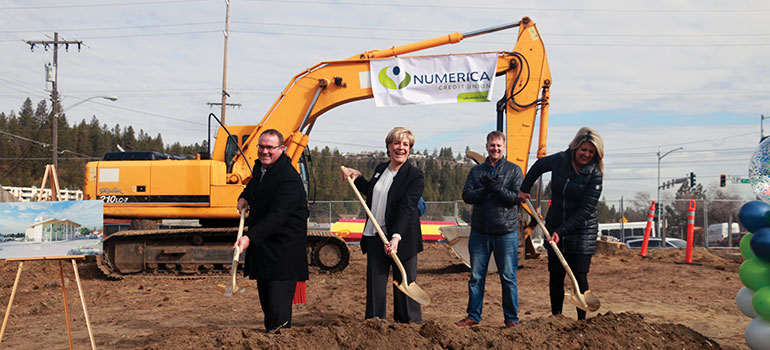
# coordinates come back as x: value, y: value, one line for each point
x: 717, y: 232
x: 629, y: 229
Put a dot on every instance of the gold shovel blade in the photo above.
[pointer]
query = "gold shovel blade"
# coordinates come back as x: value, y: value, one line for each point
x: 228, y: 290
x: 591, y: 301
x: 414, y: 291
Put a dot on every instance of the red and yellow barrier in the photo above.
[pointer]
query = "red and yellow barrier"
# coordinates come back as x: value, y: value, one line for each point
x: 351, y: 229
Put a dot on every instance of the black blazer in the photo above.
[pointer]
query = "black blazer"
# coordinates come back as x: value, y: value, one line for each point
x: 401, y: 214
x: 277, y: 224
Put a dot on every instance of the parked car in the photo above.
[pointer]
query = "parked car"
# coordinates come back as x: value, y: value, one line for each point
x: 626, y: 239
x: 737, y: 236
x: 656, y: 242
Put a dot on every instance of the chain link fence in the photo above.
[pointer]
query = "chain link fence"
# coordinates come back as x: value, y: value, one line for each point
x: 716, y: 221
x: 325, y: 213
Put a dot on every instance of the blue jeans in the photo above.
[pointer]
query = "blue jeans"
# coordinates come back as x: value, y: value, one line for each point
x: 505, y: 247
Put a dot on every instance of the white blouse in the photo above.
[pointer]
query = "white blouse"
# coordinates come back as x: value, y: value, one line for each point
x: 380, y: 201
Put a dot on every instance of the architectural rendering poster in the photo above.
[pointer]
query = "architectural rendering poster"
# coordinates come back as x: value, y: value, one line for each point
x: 46, y: 229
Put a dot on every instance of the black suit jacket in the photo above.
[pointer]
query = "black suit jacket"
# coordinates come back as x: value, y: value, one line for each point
x: 401, y: 214
x: 277, y: 223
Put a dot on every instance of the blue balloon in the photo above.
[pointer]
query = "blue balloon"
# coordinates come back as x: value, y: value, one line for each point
x: 760, y: 243
x: 753, y: 215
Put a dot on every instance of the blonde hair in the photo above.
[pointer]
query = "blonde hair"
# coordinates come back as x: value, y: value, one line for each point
x: 586, y: 134
x: 398, y: 133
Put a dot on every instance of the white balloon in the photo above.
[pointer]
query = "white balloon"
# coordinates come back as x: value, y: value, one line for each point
x: 758, y: 334
x: 743, y: 299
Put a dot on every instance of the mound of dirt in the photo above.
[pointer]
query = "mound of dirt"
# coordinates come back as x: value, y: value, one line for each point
x: 606, y: 331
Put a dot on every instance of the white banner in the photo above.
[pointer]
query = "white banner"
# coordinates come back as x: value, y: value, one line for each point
x: 429, y: 80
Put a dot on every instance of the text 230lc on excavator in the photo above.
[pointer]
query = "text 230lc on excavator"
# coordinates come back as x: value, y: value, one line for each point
x: 207, y: 188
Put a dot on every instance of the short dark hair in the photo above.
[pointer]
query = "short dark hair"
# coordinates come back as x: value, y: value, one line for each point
x: 275, y: 133
x: 495, y: 135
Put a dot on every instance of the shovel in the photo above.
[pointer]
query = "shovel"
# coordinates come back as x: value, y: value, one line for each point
x: 233, y: 288
x: 411, y: 290
x: 587, y: 301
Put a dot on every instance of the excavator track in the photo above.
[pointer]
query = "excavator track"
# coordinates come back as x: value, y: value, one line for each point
x: 192, y: 253
x: 327, y: 251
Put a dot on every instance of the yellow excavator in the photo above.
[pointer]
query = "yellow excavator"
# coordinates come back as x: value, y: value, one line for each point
x: 153, y: 186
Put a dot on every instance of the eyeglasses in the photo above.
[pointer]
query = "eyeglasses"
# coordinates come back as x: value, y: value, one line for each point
x: 268, y: 148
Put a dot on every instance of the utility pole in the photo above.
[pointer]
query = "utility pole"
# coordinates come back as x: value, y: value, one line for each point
x: 54, y: 92
x: 225, y: 95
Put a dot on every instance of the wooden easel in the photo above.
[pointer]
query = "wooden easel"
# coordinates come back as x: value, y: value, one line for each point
x: 73, y: 258
x: 54, y: 182
x: 54, y: 179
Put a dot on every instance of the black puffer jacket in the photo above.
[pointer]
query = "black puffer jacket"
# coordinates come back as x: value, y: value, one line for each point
x: 494, y: 213
x: 574, y: 196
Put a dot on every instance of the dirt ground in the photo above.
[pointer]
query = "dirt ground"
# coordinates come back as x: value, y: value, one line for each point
x: 647, y: 303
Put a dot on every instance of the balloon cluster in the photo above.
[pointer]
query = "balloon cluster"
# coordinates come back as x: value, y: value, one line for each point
x: 754, y: 299
x: 759, y: 171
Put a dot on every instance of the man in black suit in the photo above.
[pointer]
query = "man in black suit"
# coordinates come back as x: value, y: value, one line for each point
x: 276, y: 241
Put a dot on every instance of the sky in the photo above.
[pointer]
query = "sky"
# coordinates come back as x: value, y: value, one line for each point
x: 648, y: 76
x: 15, y: 217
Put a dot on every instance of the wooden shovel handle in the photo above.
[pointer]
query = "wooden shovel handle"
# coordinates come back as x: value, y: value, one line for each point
x: 237, y: 252
x: 376, y: 226
x: 556, y: 251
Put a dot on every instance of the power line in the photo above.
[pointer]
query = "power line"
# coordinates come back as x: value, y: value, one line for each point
x: 41, y: 144
x: 462, y: 6
x: 143, y: 26
x: 399, y: 29
x: 149, y: 34
x: 688, y: 143
x: 150, y: 114
x: 113, y: 4
x: 465, y: 6
x: 368, y: 37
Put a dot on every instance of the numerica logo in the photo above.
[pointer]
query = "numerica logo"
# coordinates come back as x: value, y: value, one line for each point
x: 389, y: 83
x: 428, y: 79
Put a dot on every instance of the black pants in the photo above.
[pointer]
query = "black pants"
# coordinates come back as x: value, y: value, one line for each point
x: 579, y: 264
x: 275, y: 297
x: 378, y: 267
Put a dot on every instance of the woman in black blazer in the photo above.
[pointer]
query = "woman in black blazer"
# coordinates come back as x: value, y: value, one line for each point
x: 392, y: 195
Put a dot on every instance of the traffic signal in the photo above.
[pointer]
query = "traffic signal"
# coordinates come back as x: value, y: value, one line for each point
x: 722, y: 180
x: 692, y: 179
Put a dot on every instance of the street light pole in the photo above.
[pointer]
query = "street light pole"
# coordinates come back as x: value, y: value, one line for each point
x: 56, y: 112
x: 659, y: 206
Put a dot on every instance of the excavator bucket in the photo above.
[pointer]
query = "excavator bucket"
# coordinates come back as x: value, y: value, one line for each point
x: 457, y: 239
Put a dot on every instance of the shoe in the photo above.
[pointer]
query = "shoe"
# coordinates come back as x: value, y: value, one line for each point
x: 509, y: 324
x: 466, y: 322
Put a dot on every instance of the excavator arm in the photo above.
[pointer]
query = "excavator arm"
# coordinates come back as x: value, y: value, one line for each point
x: 329, y: 84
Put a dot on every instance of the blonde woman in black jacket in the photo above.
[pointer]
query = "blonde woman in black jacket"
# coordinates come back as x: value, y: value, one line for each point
x: 576, y: 184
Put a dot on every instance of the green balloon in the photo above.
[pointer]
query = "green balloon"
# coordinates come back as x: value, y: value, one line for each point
x: 761, y: 302
x: 755, y: 274
x: 745, y: 247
